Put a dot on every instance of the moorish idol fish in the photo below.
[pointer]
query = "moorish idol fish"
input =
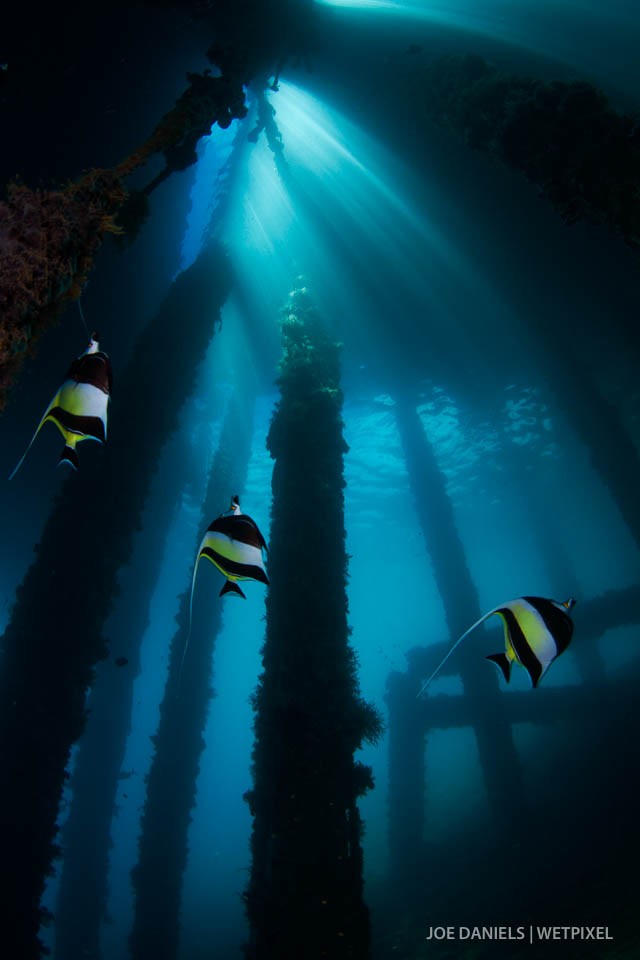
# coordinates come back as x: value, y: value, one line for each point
x: 536, y: 632
x: 79, y: 408
x: 233, y: 543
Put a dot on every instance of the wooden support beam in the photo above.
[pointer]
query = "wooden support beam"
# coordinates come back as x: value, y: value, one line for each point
x: 552, y: 705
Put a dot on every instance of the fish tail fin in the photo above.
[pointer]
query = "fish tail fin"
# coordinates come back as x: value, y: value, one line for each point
x: 454, y: 647
x: 502, y: 661
x: 69, y: 456
x: 230, y: 587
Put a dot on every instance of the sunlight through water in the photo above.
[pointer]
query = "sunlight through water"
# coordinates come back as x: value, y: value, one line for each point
x: 601, y: 39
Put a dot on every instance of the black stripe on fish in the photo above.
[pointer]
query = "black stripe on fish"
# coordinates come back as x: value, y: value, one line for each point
x: 557, y: 621
x: 94, y: 369
x: 84, y: 426
x: 521, y: 647
x: 241, y: 528
x: 247, y: 571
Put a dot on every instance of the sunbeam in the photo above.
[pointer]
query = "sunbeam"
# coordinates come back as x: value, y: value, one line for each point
x: 585, y: 34
x: 375, y: 357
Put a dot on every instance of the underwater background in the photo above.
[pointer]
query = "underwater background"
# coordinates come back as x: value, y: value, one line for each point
x: 379, y: 280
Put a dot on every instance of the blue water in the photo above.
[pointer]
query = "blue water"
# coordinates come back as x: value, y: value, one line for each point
x: 448, y: 262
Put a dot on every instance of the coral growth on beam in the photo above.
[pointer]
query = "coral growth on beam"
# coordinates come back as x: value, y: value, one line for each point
x: 565, y: 137
x: 49, y: 658
x: 49, y: 238
x: 305, y: 893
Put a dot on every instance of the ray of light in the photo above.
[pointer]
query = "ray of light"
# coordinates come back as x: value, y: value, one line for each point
x: 353, y: 215
x: 594, y: 38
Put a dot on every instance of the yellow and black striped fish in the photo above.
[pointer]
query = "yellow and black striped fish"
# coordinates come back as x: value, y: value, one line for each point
x: 79, y: 408
x: 234, y: 544
x: 536, y: 632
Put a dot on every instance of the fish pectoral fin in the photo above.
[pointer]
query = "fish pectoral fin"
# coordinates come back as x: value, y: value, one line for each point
x: 502, y: 661
x: 229, y: 587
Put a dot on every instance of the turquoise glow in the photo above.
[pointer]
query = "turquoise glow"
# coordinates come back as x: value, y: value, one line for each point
x: 589, y: 36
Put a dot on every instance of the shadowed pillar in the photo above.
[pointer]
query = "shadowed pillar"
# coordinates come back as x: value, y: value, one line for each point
x: 304, y: 899
x: 55, y: 635
x: 179, y: 741
x: 498, y: 757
